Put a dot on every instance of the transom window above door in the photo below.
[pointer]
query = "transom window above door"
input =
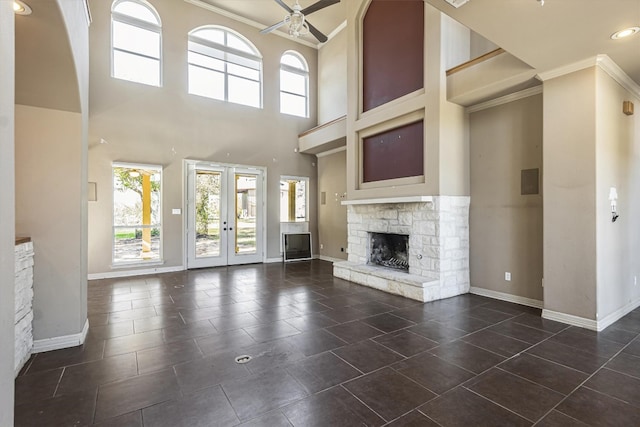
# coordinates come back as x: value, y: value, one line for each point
x: 224, y: 65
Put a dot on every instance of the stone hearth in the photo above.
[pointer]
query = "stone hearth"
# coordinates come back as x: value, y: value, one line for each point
x: 438, y: 255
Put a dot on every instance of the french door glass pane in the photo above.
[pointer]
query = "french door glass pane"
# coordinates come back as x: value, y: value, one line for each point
x: 246, y: 213
x: 208, y: 186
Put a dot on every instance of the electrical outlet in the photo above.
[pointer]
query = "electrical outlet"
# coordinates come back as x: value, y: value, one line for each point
x: 507, y: 276
x: 341, y: 249
x: 321, y: 246
x: 635, y: 280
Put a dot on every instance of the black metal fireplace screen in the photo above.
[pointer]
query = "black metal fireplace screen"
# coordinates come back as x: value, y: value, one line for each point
x: 389, y: 250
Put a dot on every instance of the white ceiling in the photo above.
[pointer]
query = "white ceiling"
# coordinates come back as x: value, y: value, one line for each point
x: 546, y: 37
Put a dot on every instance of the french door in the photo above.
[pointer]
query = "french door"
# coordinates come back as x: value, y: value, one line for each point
x: 224, y: 215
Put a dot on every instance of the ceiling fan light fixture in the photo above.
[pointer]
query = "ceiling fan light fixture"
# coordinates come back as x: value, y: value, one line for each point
x: 625, y: 33
x: 297, y: 24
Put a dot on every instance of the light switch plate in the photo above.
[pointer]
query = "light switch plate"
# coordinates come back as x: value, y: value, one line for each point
x: 176, y: 211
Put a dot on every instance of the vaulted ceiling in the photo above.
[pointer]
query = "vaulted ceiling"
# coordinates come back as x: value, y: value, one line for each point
x: 546, y: 37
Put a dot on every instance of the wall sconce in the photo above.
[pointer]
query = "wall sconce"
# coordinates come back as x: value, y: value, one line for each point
x: 627, y: 108
x: 613, y: 198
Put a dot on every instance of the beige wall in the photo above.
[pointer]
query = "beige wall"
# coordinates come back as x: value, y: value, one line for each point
x: 569, y: 183
x: 166, y: 125
x: 7, y: 212
x: 332, y: 216
x: 332, y: 78
x: 506, y: 227
x: 617, y: 165
x: 48, y: 208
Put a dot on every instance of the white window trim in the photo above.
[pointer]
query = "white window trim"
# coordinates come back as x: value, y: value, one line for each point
x: 160, y: 260
x: 130, y: 20
x: 301, y: 72
x: 306, y: 195
x: 256, y: 56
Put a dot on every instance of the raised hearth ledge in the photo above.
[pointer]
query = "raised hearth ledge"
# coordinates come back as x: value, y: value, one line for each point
x: 411, y: 286
x: 405, y: 199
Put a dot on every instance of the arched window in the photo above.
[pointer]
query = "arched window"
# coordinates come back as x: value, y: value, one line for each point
x: 294, y: 84
x: 136, y: 42
x: 224, y: 65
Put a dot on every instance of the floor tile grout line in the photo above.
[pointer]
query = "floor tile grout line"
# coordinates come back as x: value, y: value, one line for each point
x: 498, y: 404
x: 362, y: 402
x: 586, y: 380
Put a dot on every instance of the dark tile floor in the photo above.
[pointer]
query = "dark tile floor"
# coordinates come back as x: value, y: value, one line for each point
x: 161, y: 352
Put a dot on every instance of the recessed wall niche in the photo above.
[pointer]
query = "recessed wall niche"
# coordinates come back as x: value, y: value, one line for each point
x: 396, y: 153
x: 392, y: 51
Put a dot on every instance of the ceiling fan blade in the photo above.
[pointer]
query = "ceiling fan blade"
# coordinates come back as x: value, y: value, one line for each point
x: 284, y: 6
x: 271, y: 28
x: 317, y: 33
x: 318, y: 5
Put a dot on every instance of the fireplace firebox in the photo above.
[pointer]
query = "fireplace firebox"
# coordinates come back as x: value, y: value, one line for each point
x: 389, y: 250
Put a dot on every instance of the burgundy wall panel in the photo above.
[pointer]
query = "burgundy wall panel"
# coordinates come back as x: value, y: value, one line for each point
x: 397, y: 153
x: 393, y: 50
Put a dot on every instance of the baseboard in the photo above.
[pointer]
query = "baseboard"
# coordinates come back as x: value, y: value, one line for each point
x: 331, y: 259
x: 66, y: 341
x: 529, y: 302
x: 618, y: 314
x: 272, y: 260
x: 129, y: 273
x: 570, y: 319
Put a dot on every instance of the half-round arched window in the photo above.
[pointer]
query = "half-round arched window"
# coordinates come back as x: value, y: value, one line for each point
x: 136, y: 42
x: 224, y: 65
x: 294, y: 84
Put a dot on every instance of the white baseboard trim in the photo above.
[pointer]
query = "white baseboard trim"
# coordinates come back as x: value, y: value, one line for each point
x: 618, y: 314
x: 506, y: 297
x: 66, y: 341
x: 272, y: 260
x: 570, y: 319
x: 331, y: 259
x: 129, y: 273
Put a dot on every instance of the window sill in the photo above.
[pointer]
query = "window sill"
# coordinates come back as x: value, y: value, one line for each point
x: 124, y: 265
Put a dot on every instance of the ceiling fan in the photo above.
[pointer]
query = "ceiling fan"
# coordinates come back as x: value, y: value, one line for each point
x: 298, y: 25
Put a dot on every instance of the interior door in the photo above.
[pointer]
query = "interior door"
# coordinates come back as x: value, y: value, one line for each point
x: 224, y: 215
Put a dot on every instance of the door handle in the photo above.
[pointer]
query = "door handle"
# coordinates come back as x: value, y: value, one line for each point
x: 230, y: 228
x: 224, y: 229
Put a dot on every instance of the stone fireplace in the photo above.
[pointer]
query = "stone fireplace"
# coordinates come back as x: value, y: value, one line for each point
x: 436, y: 229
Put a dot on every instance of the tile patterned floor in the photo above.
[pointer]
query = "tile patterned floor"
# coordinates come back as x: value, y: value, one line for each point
x: 326, y: 352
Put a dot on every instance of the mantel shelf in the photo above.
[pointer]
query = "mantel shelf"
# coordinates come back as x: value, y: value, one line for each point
x: 406, y: 199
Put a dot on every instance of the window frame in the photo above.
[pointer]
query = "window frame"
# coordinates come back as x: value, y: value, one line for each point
x: 139, y: 23
x: 140, y: 262
x: 204, y: 45
x: 301, y: 72
x: 307, y: 181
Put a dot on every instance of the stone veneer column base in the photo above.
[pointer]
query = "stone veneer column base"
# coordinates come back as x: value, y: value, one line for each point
x: 438, y: 252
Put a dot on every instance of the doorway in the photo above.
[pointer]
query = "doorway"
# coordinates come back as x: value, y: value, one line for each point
x: 225, y: 214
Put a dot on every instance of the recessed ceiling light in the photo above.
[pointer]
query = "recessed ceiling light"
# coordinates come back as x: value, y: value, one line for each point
x: 625, y: 33
x: 21, y: 8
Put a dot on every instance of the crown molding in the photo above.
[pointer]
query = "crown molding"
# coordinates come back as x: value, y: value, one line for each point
x: 505, y: 99
x: 568, y: 69
x: 249, y: 22
x: 605, y: 63
x: 334, y: 33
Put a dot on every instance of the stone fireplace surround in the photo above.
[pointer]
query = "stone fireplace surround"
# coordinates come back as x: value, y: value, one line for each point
x: 438, y: 229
